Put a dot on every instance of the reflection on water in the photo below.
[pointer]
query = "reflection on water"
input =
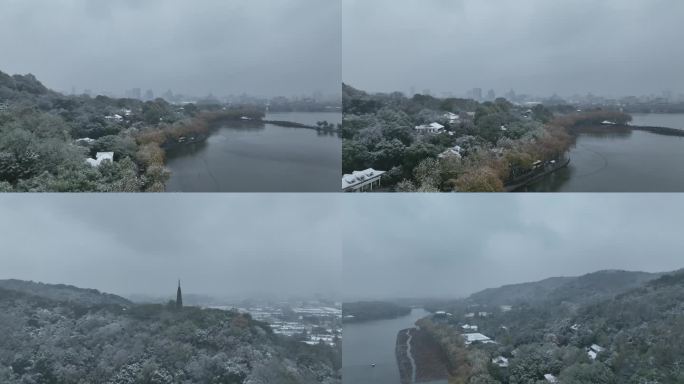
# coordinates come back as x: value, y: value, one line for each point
x: 251, y: 157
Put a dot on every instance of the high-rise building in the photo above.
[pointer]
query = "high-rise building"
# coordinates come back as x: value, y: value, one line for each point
x: 477, y: 94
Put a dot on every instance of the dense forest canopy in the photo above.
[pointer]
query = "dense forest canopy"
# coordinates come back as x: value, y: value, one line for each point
x: 62, y: 334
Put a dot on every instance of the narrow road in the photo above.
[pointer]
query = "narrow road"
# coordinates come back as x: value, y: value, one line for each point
x: 410, y: 356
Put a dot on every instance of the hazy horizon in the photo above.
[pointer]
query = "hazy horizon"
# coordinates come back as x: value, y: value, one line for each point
x: 532, y: 46
x: 262, y: 48
x: 438, y: 246
x: 227, y: 246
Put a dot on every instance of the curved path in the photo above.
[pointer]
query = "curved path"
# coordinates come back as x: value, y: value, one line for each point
x: 410, y: 356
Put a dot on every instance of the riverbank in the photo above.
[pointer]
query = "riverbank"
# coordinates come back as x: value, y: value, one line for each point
x: 666, y: 131
x: 538, y: 175
x: 419, y: 357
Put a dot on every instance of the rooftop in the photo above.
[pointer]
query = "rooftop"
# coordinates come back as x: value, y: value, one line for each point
x: 100, y: 157
x: 360, y: 177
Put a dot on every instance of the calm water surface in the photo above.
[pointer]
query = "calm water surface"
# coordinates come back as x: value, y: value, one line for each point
x: 374, y: 342
x: 240, y: 157
x: 669, y: 120
x: 635, y: 161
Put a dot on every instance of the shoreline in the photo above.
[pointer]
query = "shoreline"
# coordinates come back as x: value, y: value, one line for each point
x: 517, y: 186
x: 665, y: 131
x: 419, y: 358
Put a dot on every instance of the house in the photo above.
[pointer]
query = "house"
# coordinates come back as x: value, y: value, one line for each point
x: 500, y: 361
x: 86, y: 140
x: 594, y: 350
x: 468, y: 327
x: 469, y: 315
x: 476, y: 338
x: 454, y: 151
x: 503, y: 128
x: 430, y: 128
x: 505, y: 308
x: 361, y: 180
x: 575, y: 327
x: 550, y: 378
x: 115, y: 117
x: 100, y: 157
x: 452, y: 117
x: 483, y: 314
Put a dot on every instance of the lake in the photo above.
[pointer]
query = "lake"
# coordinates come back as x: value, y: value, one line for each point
x: 248, y: 157
x: 669, y: 120
x: 634, y: 161
x: 374, y: 342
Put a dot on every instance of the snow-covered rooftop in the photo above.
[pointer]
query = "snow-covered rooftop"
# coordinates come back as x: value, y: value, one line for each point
x: 360, y: 177
x: 100, y: 157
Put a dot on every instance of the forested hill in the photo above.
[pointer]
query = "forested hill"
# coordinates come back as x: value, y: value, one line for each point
x: 607, y: 327
x: 579, y: 289
x: 65, y: 293
x: 72, y: 335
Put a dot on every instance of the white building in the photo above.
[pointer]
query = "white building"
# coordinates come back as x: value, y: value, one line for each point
x: 468, y: 327
x: 469, y: 315
x: 550, y: 378
x: 500, y: 361
x: 430, y: 128
x: 476, y: 337
x: 452, y: 117
x: 506, y: 308
x: 115, y: 117
x: 100, y: 157
x: 594, y: 350
x: 361, y: 180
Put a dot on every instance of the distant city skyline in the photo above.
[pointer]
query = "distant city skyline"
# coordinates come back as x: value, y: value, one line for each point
x: 469, y: 93
x: 144, y: 95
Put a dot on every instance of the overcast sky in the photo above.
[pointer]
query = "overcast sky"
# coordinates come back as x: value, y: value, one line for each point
x: 608, y: 47
x: 433, y: 245
x: 262, y: 47
x: 226, y: 245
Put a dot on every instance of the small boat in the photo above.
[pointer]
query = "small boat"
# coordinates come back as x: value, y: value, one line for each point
x: 372, y: 364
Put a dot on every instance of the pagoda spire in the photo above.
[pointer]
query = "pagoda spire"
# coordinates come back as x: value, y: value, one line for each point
x: 179, y: 296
